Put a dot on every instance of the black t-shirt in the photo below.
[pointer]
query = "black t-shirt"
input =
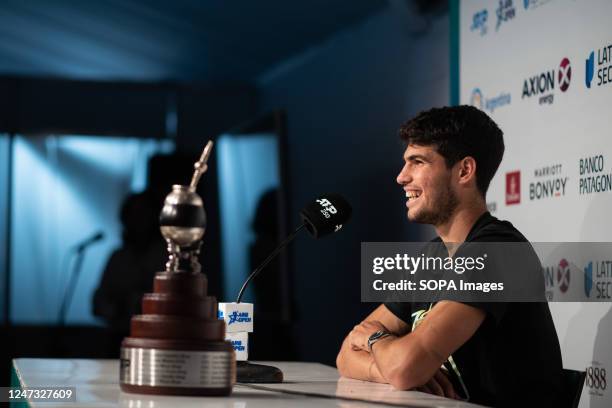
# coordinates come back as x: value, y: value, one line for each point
x: 514, y: 358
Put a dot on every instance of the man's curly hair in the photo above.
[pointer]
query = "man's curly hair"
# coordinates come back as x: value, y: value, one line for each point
x: 458, y: 132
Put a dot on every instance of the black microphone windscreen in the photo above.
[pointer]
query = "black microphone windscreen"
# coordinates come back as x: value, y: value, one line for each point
x: 325, y: 215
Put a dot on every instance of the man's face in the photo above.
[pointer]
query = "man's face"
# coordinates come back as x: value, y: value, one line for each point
x: 430, y: 197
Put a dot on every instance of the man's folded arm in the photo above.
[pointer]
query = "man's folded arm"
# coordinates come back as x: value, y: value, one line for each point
x: 359, y: 364
x: 411, y: 360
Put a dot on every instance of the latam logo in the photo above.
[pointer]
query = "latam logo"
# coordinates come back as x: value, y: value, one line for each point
x: 588, y: 279
x: 604, y: 66
x: 513, y: 187
x: 543, y: 84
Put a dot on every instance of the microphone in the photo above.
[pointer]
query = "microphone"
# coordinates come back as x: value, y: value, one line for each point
x: 98, y: 236
x: 326, y: 215
x: 323, y: 216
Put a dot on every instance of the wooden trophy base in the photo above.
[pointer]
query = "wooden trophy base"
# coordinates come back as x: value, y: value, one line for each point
x: 177, y: 346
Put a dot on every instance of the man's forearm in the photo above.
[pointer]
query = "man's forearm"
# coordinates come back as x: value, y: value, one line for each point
x: 358, y: 364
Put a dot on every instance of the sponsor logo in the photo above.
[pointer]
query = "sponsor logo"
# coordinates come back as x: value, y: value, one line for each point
x: 548, y: 183
x: 492, y: 207
x: 513, y: 187
x: 543, y: 84
x: 563, y: 275
x: 565, y: 74
x: 596, y: 380
x: 556, y: 276
x: 238, y: 345
x: 594, y: 178
x: 532, y: 4
x: 476, y: 98
x: 479, y: 22
x: 604, y: 67
x: 598, y: 279
x: 505, y: 12
x: 590, y: 69
x: 490, y: 104
x: 328, y: 208
x: 588, y: 279
x: 239, y: 317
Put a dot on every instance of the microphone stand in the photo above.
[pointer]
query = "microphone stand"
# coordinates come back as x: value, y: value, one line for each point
x: 247, y: 372
x: 74, y: 276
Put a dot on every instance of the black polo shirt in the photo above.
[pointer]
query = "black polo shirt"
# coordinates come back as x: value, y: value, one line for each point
x: 514, y: 358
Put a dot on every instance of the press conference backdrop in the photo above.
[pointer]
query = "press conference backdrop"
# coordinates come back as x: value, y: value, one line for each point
x: 542, y: 69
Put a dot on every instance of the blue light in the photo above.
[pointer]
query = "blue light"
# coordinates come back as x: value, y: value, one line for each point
x: 247, y: 167
x: 64, y: 190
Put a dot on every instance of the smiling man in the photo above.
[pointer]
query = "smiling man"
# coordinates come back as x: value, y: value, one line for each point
x: 498, y: 354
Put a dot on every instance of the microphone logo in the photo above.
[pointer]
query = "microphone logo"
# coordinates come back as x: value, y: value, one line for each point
x: 328, y: 209
x: 338, y: 228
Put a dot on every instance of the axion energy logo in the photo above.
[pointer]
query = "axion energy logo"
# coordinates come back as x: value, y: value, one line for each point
x: 543, y: 84
x: 604, y: 66
x: 565, y: 74
x: 563, y: 275
x: 513, y: 187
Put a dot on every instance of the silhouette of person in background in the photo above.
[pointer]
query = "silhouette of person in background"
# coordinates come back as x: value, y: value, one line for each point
x: 267, y: 285
x: 130, y: 270
x: 274, y: 337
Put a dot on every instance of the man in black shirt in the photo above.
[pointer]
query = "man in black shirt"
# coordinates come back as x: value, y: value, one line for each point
x: 499, y: 354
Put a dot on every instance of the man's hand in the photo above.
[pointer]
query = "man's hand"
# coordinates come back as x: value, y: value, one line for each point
x: 358, y: 337
x: 440, y: 385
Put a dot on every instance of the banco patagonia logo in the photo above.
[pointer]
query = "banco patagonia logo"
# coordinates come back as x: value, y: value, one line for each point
x: 604, y: 66
x: 478, y: 100
x: 239, y: 317
x: 479, y: 21
x: 549, y: 182
x: 505, y: 11
x: 598, y: 279
x: 543, y: 84
x: 513, y: 187
x: 594, y: 177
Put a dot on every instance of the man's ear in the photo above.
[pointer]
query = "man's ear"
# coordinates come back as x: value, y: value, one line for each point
x: 467, y: 170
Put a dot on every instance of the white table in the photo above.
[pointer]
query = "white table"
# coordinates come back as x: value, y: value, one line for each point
x: 306, y: 385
